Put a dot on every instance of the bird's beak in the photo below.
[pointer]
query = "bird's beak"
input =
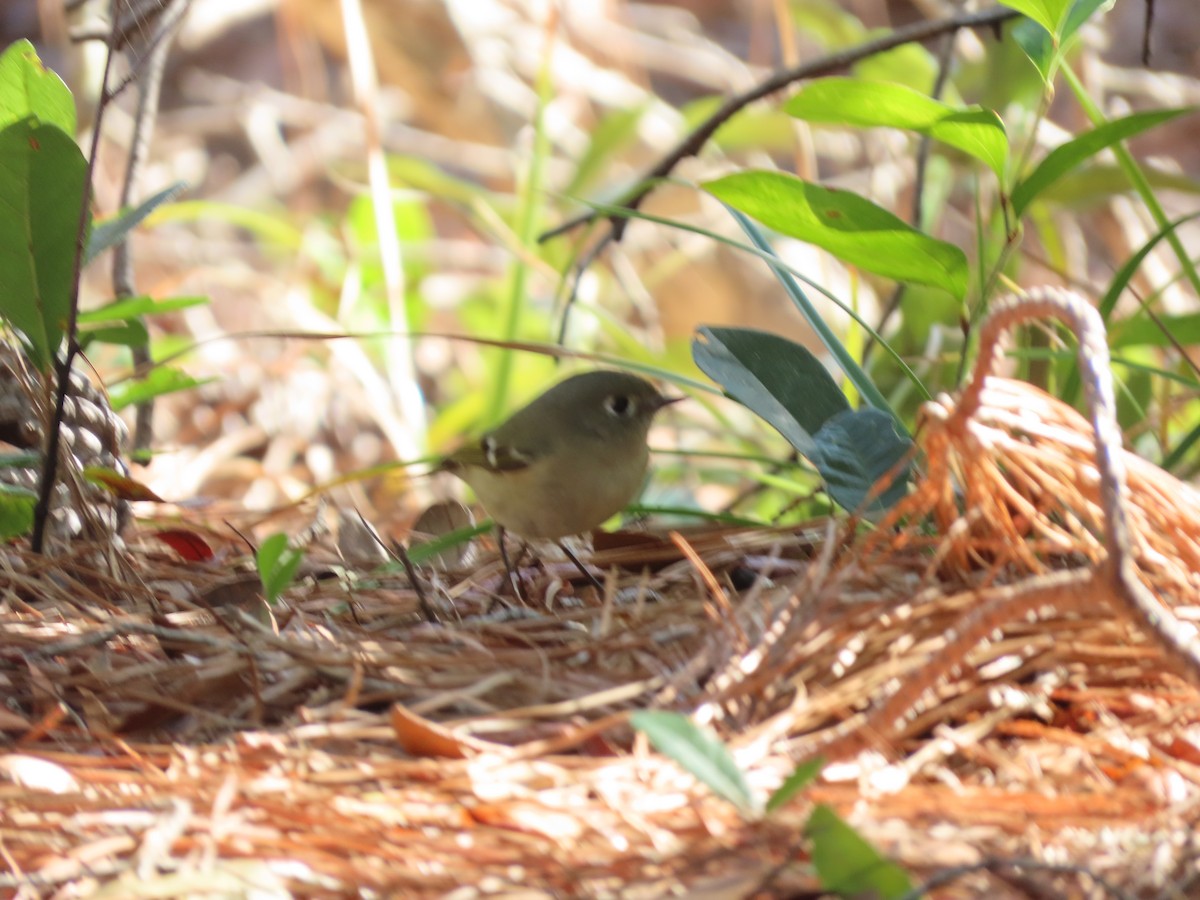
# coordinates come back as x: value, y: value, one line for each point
x: 667, y: 401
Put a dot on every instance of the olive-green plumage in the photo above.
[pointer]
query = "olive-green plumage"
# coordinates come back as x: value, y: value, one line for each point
x: 569, y: 460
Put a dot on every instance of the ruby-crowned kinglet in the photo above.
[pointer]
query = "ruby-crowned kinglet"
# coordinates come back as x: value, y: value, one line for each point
x: 569, y: 460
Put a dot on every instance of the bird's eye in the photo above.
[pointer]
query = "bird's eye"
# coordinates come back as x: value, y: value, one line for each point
x: 619, y: 405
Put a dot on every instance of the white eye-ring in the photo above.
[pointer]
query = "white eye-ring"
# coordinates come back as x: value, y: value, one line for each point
x: 619, y: 405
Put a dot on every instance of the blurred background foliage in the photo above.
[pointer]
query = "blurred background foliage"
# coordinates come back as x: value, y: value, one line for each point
x: 499, y: 118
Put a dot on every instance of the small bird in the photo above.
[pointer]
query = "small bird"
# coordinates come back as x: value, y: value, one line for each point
x: 568, y: 461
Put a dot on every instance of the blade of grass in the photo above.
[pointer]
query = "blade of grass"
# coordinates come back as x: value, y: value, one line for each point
x: 527, y: 231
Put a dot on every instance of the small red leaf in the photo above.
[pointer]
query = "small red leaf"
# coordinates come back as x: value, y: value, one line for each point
x: 187, y: 544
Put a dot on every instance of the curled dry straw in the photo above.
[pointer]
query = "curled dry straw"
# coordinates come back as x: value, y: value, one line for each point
x: 360, y: 747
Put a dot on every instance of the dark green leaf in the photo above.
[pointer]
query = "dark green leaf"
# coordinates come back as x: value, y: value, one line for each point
x: 697, y: 752
x: 112, y: 231
x: 791, y: 390
x: 28, y: 89
x: 42, y: 175
x: 773, y: 377
x: 801, y: 777
x: 846, y: 864
x: 855, y: 450
x: 847, y: 225
x: 1073, y: 153
x: 1038, y: 45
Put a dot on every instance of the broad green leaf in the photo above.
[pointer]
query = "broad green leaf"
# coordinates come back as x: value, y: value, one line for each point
x: 16, y: 511
x: 160, y: 380
x: 133, y: 307
x: 112, y: 231
x: 791, y: 390
x: 1073, y: 153
x: 277, y: 562
x: 28, y: 89
x: 908, y: 64
x: 846, y: 864
x: 802, y: 776
x: 1046, y: 47
x: 878, y: 104
x: 847, y: 225
x: 42, y: 176
x: 777, y: 379
x: 1047, y: 13
x: 699, y: 753
x: 857, y: 449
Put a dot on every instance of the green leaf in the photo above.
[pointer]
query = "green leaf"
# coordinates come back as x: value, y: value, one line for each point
x: 878, y: 104
x: 1071, y: 154
x: 1046, y: 47
x: 160, y: 380
x: 847, y: 225
x: 788, y: 387
x: 802, y: 776
x: 779, y: 380
x: 908, y: 64
x: 277, y: 563
x: 1047, y: 13
x: 16, y: 511
x: 1078, y: 14
x: 135, y: 307
x: 124, y: 334
x: 28, y: 89
x: 846, y: 864
x: 427, y: 550
x: 42, y: 182
x: 697, y: 752
x: 857, y: 449
x: 1144, y: 331
x: 790, y: 279
x: 112, y: 231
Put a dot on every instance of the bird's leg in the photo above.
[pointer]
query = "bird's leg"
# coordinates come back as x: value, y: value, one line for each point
x: 514, y: 575
x: 596, y: 583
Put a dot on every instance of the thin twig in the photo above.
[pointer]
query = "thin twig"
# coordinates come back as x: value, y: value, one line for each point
x: 694, y: 142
